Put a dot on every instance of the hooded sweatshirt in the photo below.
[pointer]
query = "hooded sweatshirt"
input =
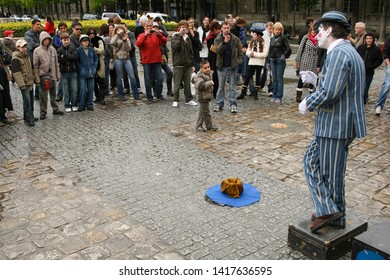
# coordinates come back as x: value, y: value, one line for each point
x: 43, y: 65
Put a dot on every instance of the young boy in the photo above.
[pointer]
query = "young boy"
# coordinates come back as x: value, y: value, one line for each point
x: 87, y: 65
x: 244, y: 70
x: 24, y: 78
x: 67, y: 58
x: 47, y: 73
x: 204, y: 87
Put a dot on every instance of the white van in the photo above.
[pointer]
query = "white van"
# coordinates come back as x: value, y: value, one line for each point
x: 106, y: 16
x: 164, y: 17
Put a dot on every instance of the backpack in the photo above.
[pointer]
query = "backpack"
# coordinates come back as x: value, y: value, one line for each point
x: 108, y: 49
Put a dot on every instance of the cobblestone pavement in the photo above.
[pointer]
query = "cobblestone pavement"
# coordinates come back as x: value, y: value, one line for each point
x: 127, y: 181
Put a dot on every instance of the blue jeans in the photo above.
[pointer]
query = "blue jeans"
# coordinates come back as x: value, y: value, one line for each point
x: 277, y: 67
x: 106, y: 75
x: 125, y: 64
x: 168, y: 71
x: 28, y: 104
x: 133, y: 60
x: 226, y: 73
x: 153, y: 72
x: 69, y: 89
x: 60, y: 92
x: 87, y: 87
x: 367, y: 87
x: 385, y: 89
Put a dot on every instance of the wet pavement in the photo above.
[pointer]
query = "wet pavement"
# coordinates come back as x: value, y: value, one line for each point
x: 127, y: 181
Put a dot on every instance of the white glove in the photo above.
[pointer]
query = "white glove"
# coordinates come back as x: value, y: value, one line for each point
x: 302, y: 107
x: 308, y: 77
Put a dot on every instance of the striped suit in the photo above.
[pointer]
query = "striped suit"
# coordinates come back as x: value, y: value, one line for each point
x: 340, y: 118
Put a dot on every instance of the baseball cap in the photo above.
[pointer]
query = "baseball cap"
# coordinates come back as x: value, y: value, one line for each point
x: 20, y: 43
x: 8, y: 32
x: 155, y: 24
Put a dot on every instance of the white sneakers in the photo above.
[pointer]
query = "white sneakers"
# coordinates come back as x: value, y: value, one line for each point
x: 191, y: 103
x: 74, y: 109
x: 378, y: 110
x: 68, y: 110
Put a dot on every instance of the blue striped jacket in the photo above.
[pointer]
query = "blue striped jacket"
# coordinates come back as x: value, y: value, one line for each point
x: 339, y: 96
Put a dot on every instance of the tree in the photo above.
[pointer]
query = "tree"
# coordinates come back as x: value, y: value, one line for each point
x: 382, y: 31
x: 309, y: 5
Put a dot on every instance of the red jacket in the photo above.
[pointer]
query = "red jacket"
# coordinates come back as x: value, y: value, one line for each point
x: 150, y: 47
x: 49, y: 28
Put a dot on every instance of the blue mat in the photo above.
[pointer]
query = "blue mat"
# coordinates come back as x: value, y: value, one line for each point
x: 248, y: 196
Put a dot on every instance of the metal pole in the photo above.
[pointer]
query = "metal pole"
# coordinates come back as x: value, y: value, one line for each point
x: 295, y: 9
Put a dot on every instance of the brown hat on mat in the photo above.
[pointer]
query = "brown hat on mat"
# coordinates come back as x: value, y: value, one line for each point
x: 232, y: 187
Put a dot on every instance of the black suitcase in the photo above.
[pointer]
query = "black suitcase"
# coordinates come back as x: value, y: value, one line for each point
x: 374, y: 244
x: 326, y: 244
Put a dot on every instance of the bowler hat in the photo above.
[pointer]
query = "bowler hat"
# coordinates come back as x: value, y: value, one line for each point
x: 334, y: 16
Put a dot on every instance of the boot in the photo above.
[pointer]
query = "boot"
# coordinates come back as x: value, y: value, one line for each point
x: 256, y: 96
x: 299, y: 96
x: 102, y: 100
x: 243, y: 92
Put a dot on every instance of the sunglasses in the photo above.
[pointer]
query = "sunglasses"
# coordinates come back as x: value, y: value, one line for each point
x: 78, y: 29
x: 92, y: 33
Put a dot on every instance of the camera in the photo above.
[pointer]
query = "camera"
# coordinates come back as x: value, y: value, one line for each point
x: 152, y: 31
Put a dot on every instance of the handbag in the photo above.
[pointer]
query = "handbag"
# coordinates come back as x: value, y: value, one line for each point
x: 46, y: 82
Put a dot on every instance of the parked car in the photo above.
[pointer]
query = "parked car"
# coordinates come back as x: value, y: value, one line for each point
x: 90, y: 17
x: 258, y: 26
x: 38, y: 18
x: 164, y: 17
x: 106, y: 16
x: 15, y: 18
x: 26, y: 18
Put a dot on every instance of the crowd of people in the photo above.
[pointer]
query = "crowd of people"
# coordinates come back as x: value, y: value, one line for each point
x: 82, y: 69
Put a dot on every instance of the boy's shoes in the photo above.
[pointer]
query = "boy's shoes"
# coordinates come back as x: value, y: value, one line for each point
x: 213, y: 128
x: 233, y: 109
x: 80, y: 109
x: 42, y: 116
x: 175, y: 104
x: 378, y: 110
x: 74, y: 109
x: 200, y: 129
x: 217, y: 108
x: 191, y: 103
x: 68, y: 110
x: 90, y: 108
x: 60, y: 113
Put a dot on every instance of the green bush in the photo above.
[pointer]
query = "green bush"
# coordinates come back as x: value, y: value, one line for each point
x: 21, y: 28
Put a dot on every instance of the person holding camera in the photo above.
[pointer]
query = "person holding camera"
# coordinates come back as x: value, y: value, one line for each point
x: 122, y: 47
x: 150, y: 43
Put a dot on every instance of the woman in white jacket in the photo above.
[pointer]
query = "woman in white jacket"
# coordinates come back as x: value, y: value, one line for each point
x: 257, y: 52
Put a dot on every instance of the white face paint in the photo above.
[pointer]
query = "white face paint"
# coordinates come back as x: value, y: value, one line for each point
x: 323, y: 37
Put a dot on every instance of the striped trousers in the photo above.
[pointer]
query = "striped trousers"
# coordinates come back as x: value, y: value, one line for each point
x: 324, y: 165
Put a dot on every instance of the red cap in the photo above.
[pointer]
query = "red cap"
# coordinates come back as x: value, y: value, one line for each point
x: 8, y: 32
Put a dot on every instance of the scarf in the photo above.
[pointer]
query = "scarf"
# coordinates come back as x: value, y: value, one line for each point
x: 313, y: 39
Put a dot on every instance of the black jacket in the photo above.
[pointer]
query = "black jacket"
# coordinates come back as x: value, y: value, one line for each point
x: 67, y: 58
x: 279, y: 46
x: 371, y: 56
